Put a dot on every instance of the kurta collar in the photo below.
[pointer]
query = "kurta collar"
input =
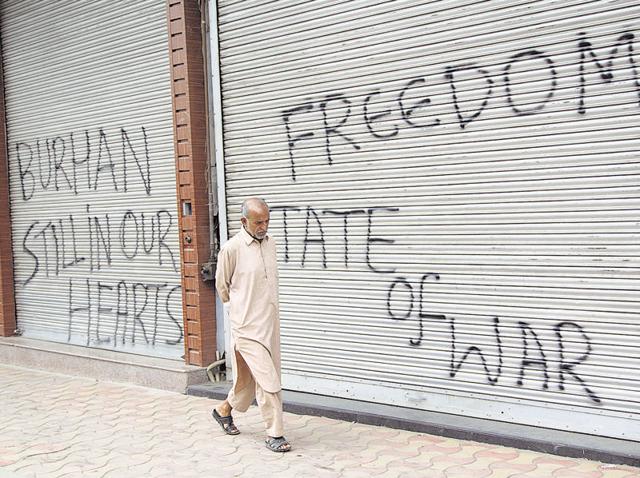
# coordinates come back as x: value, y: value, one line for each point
x: 248, y: 238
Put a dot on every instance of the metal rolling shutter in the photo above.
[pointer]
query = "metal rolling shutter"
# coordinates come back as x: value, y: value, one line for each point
x: 92, y: 175
x: 455, y: 194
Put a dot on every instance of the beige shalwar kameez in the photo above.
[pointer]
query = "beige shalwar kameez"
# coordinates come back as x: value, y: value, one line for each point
x: 247, y: 278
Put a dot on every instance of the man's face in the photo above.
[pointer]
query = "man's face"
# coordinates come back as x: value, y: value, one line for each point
x: 257, y: 222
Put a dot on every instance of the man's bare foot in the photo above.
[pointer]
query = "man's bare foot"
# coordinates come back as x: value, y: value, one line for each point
x: 222, y: 415
x: 224, y: 409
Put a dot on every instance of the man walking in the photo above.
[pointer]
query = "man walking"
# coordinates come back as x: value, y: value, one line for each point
x: 247, y: 278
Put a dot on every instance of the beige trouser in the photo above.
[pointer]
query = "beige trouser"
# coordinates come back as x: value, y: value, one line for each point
x: 245, y: 389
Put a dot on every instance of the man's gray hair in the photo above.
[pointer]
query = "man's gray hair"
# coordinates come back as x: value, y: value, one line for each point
x: 247, y: 203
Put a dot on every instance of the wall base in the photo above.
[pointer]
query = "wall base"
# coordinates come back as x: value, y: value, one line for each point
x: 100, y: 364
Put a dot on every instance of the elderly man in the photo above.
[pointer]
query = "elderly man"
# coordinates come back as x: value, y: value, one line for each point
x: 247, y: 278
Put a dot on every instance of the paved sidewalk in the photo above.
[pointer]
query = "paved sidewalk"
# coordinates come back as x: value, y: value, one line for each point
x: 55, y: 425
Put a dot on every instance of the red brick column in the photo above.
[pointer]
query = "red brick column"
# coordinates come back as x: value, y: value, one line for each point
x: 188, y: 89
x: 7, y: 299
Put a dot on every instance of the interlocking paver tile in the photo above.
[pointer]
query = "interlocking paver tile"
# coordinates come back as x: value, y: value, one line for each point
x: 502, y: 473
x: 355, y: 474
x: 255, y: 469
x: 344, y: 461
x: 583, y: 470
x: 398, y: 470
x: 541, y: 470
x: 512, y: 467
x: 446, y: 461
x: 375, y: 470
x: 461, y: 471
x: 619, y: 471
x: 68, y: 471
x: 425, y: 474
x: 303, y: 471
x: 62, y: 426
x: 620, y: 474
x: 424, y: 457
x: 498, y: 453
x: 559, y: 461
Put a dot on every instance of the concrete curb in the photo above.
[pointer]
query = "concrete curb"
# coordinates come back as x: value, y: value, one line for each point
x: 543, y: 440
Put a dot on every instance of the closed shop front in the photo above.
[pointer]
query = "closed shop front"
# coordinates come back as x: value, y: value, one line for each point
x: 92, y: 174
x: 455, y: 195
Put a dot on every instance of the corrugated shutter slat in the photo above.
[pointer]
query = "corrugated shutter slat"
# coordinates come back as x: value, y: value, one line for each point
x: 454, y: 191
x: 92, y: 174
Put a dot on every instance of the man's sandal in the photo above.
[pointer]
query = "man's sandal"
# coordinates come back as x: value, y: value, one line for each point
x: 225, y: 422
x: 278, y: 444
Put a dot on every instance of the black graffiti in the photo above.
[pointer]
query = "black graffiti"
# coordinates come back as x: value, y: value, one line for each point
x: 391, y: 309
x: 387, y: 123
x: 103, y: 146
x: 331, y: 129
x: 101, y: 311
x: 48, y: 163
x: 144, y: 168
x: 318, y: 238
x: 75, y: 259
x: 550, y: 92
x: 605, y: 68
x: 450, y: 76
x: 454, y: 367
x: 139, y: 308
x: 370, y: 119
x: 125, y: 239
x: 59, y: 160
x: 157, y: 225
x: 55, y: 245
x: 162, y: 235
x: 406, y: 300
x: 407, y: 113
x: 122, y: 311
x: 345, y: 215
x: 177, y: 324
x: 133, y: 310
x: 402, y: 302
x: 284, y: 210
x: 568, y: 367
x: 421, y: 312
x: 527, y: 361
x: 377, y: 240
x: 99, y: 240
x: 334, y: 129
x: 293, y: 140
x: 58, y: 157
x: 314, y: 233
x: 36, y: 265
x: 74, y: 310
x: 62, y: 246
x: 402, y: 308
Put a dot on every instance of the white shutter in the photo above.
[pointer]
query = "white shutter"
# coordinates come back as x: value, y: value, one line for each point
x: 454, y: 189
x: 92, y: 174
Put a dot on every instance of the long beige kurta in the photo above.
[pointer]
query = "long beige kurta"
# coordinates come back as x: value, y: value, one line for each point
x: 247, y: 278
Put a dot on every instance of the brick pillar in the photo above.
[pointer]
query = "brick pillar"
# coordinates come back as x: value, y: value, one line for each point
x: 188, y: 90
x: 7, y: 299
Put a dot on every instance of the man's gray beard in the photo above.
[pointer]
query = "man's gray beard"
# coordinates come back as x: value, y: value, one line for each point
x: 257, y: 238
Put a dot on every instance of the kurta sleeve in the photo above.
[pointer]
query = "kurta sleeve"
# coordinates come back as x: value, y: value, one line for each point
x: 224, y: 273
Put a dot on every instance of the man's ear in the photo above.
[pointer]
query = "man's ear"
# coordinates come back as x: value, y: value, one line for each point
x: 243, y: 220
